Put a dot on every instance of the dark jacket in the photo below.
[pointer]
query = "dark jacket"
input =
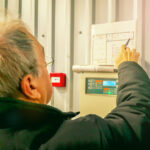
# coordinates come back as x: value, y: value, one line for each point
x: 28, y: 126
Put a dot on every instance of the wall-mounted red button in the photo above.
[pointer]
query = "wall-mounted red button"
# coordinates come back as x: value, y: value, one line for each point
x: 58, y: 79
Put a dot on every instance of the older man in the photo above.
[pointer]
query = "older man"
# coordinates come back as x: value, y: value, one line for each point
x: 27, y: 123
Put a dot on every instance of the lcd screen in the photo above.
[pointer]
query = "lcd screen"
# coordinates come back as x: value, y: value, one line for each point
x: 109, y: 83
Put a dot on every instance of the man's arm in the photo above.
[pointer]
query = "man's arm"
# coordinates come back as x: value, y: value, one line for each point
x: 129, y: 122
x: 134, y: 83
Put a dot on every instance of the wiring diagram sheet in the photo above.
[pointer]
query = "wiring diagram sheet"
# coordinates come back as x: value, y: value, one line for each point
x: 108, y: 38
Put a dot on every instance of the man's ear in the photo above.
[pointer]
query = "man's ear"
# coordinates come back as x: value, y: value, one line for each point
x: 29, y: 87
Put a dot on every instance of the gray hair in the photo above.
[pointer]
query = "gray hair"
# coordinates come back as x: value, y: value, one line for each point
x: 17, y: 57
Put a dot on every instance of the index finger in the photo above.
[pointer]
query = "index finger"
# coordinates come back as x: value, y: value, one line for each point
x: 123, y: 48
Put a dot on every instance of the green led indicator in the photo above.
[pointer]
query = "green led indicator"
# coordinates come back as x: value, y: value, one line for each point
x: 109, y: 93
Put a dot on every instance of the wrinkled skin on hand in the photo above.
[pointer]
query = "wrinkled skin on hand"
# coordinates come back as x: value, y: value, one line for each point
x: 126, y: 54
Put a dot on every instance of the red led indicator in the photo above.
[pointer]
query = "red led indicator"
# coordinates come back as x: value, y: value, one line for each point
x: 105, y: 89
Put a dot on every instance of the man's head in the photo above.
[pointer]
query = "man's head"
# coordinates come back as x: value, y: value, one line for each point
x: 23, y: 72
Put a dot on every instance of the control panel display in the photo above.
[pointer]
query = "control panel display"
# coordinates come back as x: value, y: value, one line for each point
x: 101, y: 86
x: 109, y: 83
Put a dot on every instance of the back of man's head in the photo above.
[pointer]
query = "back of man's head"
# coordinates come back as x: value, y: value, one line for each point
x: 17, y: 57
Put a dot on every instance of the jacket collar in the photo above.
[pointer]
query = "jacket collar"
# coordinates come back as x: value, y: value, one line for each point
x: 18, y: 113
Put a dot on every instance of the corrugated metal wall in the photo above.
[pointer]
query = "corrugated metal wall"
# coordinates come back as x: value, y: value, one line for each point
x: 63, y: 28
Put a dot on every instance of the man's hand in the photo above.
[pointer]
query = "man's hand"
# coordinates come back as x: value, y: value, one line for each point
x: 126, y: 55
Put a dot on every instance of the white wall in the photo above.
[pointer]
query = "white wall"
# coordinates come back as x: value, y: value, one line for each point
x: 63, y: 28
x: 124, y: 10
x: 82, y: 25
x: 146, y: 36
x: 63, y: 57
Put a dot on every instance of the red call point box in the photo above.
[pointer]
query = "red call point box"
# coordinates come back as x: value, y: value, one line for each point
x: 58, y: 79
